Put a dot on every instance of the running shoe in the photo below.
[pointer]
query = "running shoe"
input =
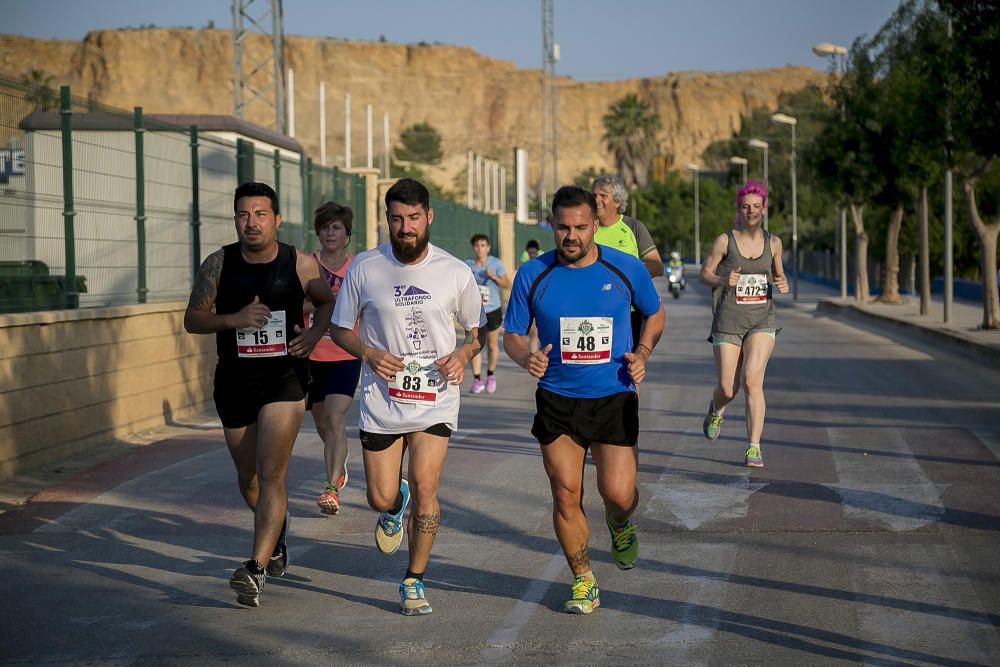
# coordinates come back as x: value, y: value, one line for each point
x: 712, y: 426
x: 491, y: 384
x: 329, y: 500
x: 389, y: 529
x: 342, y: 482
x: 586, y: 597
x: 412, y: 598
x: 477, y: 386
x: 279, y: 559
x: 624, y: 544
x: 248, y: 581
x: 753, y: 457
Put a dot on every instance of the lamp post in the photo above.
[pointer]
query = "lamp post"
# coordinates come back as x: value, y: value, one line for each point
x: 825, y: 50
x: 757, y: 143
x: 741, y: 161
x: 697, y: 205
x: 789, y: 120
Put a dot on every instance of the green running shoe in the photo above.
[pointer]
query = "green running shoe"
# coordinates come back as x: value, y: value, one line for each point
x: 624, y: 543
x: 712, y: 426
x: 753, y: 458
x: 586, y: 597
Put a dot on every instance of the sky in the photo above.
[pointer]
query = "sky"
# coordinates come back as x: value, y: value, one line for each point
x: 599, y: 40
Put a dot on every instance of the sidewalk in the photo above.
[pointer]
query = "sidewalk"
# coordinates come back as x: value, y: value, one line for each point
x: 961, y: 336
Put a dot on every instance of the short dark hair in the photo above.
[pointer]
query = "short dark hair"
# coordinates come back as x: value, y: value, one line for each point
x: 479, y: 237
x: 254, y: 189
x: 532, y: 243
x: 333, y: 212
x: 410, y: 192
x: 571, y: 196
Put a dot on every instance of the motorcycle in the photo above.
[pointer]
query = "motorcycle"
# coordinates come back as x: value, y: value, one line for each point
x: 675, y: 280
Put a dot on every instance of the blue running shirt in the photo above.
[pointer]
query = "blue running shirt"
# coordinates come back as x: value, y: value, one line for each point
x: 584, y: 314
x: 491, y: 300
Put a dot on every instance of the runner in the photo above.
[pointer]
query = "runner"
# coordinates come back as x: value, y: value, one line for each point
x: 334, y: 373
x: 404, y: 297
x: 490, y: 275
x: 743, y: 328
x: 580, y: 295
x: 621, y: 232
x: 257, y: 287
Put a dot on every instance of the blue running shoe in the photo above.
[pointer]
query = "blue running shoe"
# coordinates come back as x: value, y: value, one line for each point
x: 412, y: 598
x: 389, y: 529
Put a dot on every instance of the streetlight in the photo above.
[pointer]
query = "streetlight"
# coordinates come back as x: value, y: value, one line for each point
x: 789, y: 120
x: 824, y: 50
x: 757, y: 143
x: 742, y: 161
x: 697, y: 205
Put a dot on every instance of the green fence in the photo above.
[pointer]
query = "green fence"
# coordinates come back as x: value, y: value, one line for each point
x: 455, y: 224
x: 524, y: 233
x: 101, y: 206
x: 331, y: 184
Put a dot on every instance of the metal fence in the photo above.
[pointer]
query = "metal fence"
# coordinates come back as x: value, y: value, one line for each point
x: 101, y: 206
x: 455, y: 224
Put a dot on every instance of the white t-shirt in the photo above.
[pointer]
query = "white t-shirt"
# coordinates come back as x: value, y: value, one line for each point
x: 408, y: 310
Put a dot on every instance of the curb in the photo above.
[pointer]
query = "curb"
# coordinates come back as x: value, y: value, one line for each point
x: 953, y: 341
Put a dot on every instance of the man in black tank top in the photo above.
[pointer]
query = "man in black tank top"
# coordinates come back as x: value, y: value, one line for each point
x: 250, y: 295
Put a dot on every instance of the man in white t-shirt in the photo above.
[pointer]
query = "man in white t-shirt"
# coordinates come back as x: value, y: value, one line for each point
x: 404, y: 297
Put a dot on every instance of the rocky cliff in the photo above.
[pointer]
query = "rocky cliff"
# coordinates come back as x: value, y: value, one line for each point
x: 475, y: 102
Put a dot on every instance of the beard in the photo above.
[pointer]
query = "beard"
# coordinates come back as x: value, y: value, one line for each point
x: 407, y: 253
x: 575, y: 251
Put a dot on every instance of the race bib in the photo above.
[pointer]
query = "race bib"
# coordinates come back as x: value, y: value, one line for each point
x: 585, y: 340
x: 751, y: 288
x: 484, y: 291
x: 268, y: 341
x: 418, y: 383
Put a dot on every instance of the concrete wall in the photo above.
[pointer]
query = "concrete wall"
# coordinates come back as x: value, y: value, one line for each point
x: 71, y: 380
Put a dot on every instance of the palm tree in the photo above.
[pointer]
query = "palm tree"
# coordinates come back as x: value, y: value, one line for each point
x: 630, y: 132
x: 40, y: 93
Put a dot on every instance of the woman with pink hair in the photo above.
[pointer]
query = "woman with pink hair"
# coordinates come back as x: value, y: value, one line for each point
x: 742, y: 268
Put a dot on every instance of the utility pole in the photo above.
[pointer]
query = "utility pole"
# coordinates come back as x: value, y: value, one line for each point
x: 550, y: 55
x: 251, y: 77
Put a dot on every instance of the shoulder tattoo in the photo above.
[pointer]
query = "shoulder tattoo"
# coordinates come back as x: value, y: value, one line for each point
x: 206, y: 284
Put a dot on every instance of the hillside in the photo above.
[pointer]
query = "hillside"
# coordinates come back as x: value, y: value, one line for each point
x: 474, y: 101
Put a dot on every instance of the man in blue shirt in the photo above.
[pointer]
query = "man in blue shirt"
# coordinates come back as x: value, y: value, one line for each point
x: 490, y: 276
x: 580, y: 295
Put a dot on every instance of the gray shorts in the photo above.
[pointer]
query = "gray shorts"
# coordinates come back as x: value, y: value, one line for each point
x: 719, y: 338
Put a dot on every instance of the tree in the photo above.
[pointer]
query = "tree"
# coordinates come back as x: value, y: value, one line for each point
x: 39, y: 91
x: 972, y: 59
x: 847, y: 155
x: 908, y: 45
x: 630, y: 132
x: 419, y: 143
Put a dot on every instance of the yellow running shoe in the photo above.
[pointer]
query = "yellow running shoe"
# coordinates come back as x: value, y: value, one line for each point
x: 753, y: 458
x: 586, y: 597
x: 389, y: 527
x: 624, y: 543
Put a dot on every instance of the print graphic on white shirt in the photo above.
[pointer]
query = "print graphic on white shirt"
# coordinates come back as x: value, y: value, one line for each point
x: 416, y: 329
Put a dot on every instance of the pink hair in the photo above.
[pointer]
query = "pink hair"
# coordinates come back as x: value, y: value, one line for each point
x: 751, y: 188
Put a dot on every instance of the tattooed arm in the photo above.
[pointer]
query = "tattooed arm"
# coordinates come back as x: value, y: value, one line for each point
x: 199, y: 318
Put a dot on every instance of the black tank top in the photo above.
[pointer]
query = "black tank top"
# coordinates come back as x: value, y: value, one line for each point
x: 277, y: 285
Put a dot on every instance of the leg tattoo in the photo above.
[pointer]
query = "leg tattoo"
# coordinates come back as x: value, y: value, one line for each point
x: 427, y: 523
x: 579, y: 561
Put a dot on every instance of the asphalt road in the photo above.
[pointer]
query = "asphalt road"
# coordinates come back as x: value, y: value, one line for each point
x: 871, y: 536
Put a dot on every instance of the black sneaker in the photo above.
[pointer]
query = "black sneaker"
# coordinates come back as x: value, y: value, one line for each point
x: 248, y: 582
x: 279, y: 559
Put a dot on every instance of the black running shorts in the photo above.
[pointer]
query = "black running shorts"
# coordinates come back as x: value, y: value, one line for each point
x: 494, y: 319
x: 239, y: 398
x: 332, y: 377
x: 377, y: 442
x: 612, y: 420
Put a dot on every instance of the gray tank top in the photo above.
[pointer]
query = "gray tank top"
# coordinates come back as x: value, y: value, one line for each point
x: 748, y: 305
